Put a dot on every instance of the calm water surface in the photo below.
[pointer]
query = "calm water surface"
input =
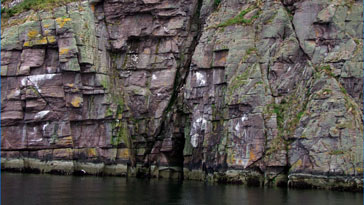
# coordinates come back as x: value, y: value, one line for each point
x: 51, y: 189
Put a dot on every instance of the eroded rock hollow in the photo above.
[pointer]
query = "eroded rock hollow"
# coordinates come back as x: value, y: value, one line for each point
x: 231, y: 91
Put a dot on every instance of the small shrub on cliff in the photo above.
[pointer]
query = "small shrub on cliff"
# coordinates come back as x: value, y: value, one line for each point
x: 217, y: 3
x: 239, y: 19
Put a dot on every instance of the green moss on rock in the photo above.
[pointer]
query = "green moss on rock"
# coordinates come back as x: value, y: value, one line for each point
x: 239, y: 19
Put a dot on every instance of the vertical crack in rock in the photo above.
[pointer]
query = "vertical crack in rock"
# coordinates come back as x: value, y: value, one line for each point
x: 186, y: 59
x: 150, y: 49
x: 173, y: 116
x: 290, y: 10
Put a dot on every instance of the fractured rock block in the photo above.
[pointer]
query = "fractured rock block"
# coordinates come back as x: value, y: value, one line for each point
x: 67, y: 48
x: 220, y: 58
x: 32, y: 57
x: 163, y: 78
x: 14, y: 137
x: 11, y: 117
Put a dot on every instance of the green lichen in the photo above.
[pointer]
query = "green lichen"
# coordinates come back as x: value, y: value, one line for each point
x: 54, y: 136
x: 105, y: 83
x: 336, y: 152
x: 249, y: 51
x: 239, y: 81
x: 277, y: 144
x: 90, y: 105
x: 217, y: 3
x: 109, y: 112
x: 351, y: 105
x: 297, y: 111
x: 122, y: 135
x: 278, y: 109
x: 357, y: 41
x: 216, y: 112
x: 343, y: 90
x: 119, y: 127
x: 35, y: 91
x: 270, y: 20
x: 288, y: 113
x: 327, y: 69
x: 157, y: 47
x: 125, y: 61
x: 239, y: 19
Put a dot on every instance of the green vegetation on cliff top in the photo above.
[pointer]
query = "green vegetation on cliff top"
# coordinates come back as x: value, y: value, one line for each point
x: 27, y: 5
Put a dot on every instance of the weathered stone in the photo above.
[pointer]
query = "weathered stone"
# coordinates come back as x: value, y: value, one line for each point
x: 163, y: 79
x: 13, y: 137
x: 160, y: 88
x: 10, y: 39
x: 32, y: 57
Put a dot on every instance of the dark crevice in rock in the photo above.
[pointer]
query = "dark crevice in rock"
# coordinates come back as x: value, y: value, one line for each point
x: 290, y: 11
x: 185, y: 59
x: 173, y: 107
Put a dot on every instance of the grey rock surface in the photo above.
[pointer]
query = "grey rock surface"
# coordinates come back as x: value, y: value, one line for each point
x: 257, y: 92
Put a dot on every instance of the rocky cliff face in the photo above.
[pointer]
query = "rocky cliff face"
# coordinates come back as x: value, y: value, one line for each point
x: 239, y: 91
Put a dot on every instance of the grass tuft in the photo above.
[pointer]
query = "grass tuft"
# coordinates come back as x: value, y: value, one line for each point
x: 27, y: 5
x: 239, y: 19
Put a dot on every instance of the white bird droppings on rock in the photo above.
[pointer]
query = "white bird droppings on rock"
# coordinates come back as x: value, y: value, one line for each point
x: 41, y: 114
x: 201, y: 79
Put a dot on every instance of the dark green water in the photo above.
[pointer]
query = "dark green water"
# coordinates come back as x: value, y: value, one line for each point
x: 51, y: 189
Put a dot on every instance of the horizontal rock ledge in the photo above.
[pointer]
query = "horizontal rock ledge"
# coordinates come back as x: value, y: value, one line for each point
x: 250, y: 178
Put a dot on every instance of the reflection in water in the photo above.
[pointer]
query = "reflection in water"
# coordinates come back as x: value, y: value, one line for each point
x: 50, y: 189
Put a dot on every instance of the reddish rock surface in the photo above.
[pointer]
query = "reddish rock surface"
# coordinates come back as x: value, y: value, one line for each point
x: 259, y: 92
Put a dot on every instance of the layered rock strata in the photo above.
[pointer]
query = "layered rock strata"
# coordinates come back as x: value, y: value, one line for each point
x: 258, y: 92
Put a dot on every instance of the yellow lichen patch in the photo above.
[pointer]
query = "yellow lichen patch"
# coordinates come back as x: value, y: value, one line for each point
x: 91, y: 152
x: 92, y: 7
x: 31, y: 43
x: 4, y: 70
x: 297, y: 164
x: 51, y: 39
x: 124, y: 153
x: 70, y: 85
x: 147, y: 51
x: 46, y: 25
x: 32, y: 34
x: 76, y: 101
x: 62, y: 152
x: 65, y: 141
x: 32, y: 17
x: 252, y: 156
x: 63, y: 51
x: 359, y: 169
x: 27, y: 44
x: 62, y: 21
x: 75, y: 90
x: 231, y: 159
x: 42, y: 41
